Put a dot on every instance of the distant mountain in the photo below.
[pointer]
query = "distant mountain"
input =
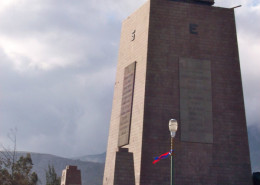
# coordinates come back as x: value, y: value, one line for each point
x: 254, y: 144
x: 91, y: 172
x: 92, y: 166
x: 99, y: 158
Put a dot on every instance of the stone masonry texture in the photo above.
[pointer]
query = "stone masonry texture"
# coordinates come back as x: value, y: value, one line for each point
x: 130, y: 51
x: 124, y: 168
x: 165, y: 32
x: 71, y: 176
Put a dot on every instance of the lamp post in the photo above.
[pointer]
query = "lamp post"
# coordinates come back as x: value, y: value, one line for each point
x: 173, y: 126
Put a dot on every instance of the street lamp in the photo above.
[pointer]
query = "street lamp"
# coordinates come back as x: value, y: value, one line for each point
x: 173, y: 126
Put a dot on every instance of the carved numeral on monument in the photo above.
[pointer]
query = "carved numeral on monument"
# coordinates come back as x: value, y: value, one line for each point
x: 193, y: 28
x: 133, y: 36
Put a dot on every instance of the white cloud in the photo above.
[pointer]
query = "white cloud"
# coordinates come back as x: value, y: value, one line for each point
x: 249, y: 47
x: 47, y: 34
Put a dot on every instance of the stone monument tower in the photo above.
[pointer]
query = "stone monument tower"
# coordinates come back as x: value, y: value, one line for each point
x: 71, y: 176
x: 178, y: 59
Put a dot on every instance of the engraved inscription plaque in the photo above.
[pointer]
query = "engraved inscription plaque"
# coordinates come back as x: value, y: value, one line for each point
x: 195, y: 100
x: 126, y: 105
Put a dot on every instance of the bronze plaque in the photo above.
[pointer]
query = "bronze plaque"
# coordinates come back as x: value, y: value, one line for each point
x: 126, y: 105
x: 195, y: 100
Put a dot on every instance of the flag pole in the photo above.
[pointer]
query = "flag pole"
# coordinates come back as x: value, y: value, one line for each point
x: 173, y: 126
x: 172, y: 162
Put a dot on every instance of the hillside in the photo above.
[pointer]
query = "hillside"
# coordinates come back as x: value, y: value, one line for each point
x: 99, y: 158
x: 92, y: 166
x: 91, y: 172
x: 254, y: 144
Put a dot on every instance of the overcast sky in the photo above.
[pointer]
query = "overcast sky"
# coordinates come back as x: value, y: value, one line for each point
x: 57, y: 70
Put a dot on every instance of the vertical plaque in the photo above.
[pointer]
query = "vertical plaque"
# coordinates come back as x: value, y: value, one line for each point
x: 195, y: 100
x: 126, y: 105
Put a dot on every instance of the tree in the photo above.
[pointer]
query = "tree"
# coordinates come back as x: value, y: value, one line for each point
x: 13, y: 171
x: 51, y: 176
x: 18, y: 173
x: 8, y: 156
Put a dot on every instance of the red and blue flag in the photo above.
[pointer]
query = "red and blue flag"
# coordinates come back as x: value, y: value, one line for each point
x: 163, y: 156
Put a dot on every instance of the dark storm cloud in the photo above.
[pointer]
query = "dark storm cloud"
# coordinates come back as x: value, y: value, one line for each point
x: 60, y: 107
x: 64, y: 109
x: 248, y: 39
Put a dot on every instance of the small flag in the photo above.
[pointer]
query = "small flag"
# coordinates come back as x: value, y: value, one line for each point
x: 163, y: 156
